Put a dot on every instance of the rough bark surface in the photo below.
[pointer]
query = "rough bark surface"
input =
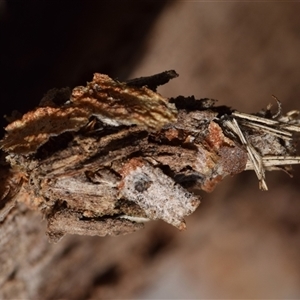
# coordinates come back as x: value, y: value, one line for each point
x: 240, y: 243
x: 115, y: 155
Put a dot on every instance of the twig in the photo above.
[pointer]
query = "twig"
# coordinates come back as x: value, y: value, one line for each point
x: 112, y: 155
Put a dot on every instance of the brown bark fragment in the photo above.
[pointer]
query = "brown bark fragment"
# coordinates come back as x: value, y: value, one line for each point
x: 112, y: 102
x: 65, y: 221
x: 11, y: 183
x: 233, y: 159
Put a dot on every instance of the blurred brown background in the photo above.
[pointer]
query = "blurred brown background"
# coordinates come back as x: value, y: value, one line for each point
x: 241, y: 242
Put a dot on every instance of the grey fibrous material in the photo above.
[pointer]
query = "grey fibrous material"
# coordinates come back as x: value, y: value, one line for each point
x: 112, y: 155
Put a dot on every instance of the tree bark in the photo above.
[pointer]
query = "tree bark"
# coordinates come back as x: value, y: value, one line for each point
x: 111, y: 156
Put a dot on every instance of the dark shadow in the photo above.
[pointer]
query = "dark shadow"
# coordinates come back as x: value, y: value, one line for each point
x: 47, y: 44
